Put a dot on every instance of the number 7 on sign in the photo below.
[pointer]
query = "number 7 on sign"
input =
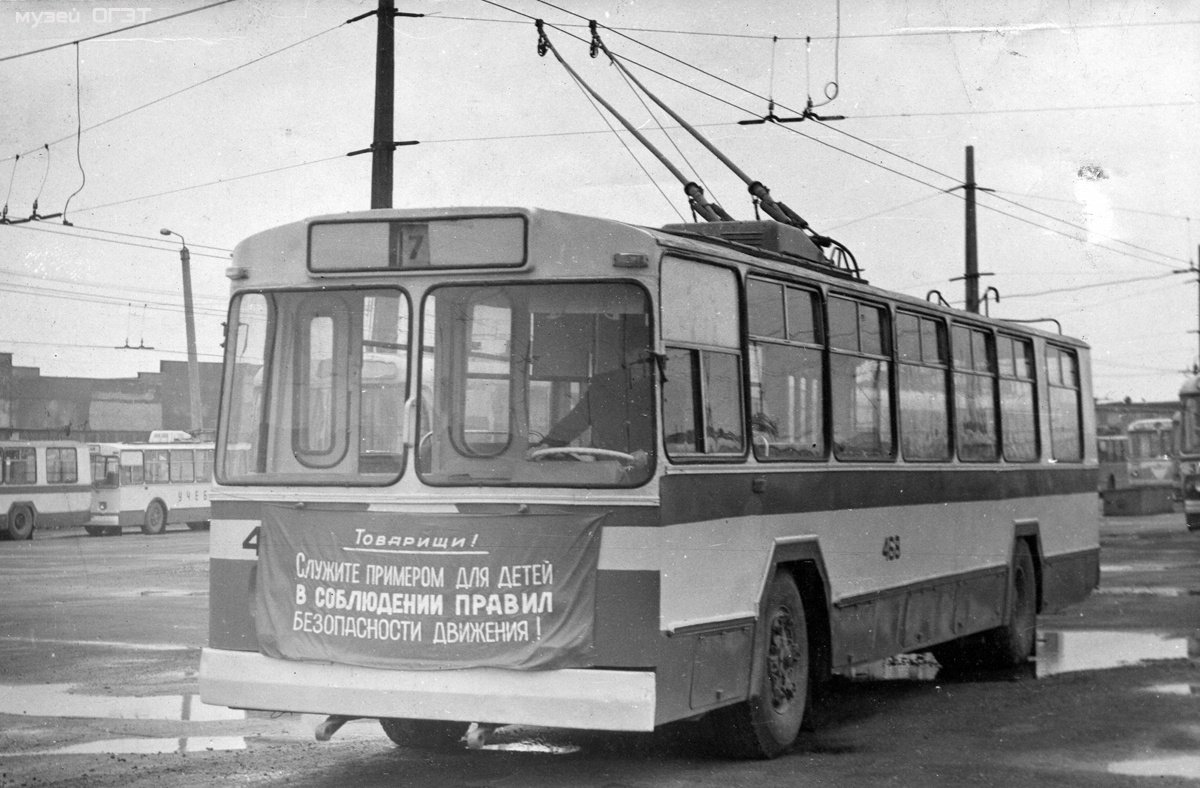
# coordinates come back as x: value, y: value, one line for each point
x: 414, y: 246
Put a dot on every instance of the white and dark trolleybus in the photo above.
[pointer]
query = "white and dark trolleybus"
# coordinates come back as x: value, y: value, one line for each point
x: 43, y: 484
x: 502, y: 465
x: 1189, y: 451
x: 149, y: 485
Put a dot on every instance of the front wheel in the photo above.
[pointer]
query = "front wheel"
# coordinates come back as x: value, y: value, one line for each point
x: 199, y: 526
x: 156, y: 519
x: 768, y: 722
x: 96, y: 530
x: 20, y: 522
x: 423, y: 734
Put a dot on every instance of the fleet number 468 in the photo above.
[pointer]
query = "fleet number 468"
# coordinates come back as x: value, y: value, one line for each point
x: 891, y: 548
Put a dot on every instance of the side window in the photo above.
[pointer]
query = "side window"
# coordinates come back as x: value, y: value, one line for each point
x: 974, y: 395
x: 787, y: 372
x: 860, y: 376
x: 183, y: 465
x: 204, y: 465
x: 1062, y: 372
x: 1018, y: 406
x: 924, y: 382
x: 702, y: 403
x: 20, y: 466
x: 702, y: 393
x: 157, y: 466
x: 133, y: 467
x: 61, y: 466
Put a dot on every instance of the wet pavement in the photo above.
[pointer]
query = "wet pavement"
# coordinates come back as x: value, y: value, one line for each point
x: 1112, y: 695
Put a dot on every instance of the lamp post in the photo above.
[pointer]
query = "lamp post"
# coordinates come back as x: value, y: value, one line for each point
x: 185, y: 258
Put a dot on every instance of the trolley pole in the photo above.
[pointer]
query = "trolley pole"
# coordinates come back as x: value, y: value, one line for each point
x: 971, y: 277
x: 385, y: 90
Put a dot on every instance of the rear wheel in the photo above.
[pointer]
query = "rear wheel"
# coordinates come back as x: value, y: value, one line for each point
x: 1008, y: 645
x: 423, y: 734
x: 96, y: 530
x: 200, y: 526
x: 20, y: 522
x: 156, y: 519
x: 1013, y: 643
x: 767, y: 723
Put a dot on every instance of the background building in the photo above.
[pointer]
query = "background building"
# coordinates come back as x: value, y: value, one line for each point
x: 112, y: 409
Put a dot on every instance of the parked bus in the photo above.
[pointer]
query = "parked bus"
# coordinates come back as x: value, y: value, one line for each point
x: 150, y: 485
x: 1189, y: 451
x: 43, y: 484
x: 1113, y: 454
x: 1153, y: 454
x: 626, y: 476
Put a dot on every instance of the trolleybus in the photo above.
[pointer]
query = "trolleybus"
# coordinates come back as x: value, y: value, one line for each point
x: 1189, y: 451
x: 149, y: 485
x: 43, y: 484
x: 611, y: 476
x: 1153, y: 455
x: 1113, y: 454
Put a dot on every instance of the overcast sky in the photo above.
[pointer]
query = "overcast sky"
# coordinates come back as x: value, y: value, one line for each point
x: 224, y: 122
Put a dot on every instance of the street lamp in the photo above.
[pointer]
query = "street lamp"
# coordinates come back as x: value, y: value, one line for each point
x: 185, y: 258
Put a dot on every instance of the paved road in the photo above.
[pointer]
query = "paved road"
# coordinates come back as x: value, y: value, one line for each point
x: 99, y: 641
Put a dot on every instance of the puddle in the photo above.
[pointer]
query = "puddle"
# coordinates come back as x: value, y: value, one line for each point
x: 102, y: 643
x: 1167, y: 766
x: 168, y: 592
x: 1067, y: 651
x: 1165, y: 591
x: 1173, y: 689
x: 56, y: 700
x: 144, y: 746
x: 902, y: 667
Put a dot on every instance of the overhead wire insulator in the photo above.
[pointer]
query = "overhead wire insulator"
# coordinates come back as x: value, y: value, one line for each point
x: 594, y: 48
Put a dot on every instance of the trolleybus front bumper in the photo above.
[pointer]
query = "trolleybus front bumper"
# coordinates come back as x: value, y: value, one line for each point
x: 617, y: 700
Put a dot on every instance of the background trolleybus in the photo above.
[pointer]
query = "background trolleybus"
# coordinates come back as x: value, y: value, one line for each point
x: 1153, y: 453
x: 1189, y: 451
x: 149, y: 485
x: 520, y: 466
x: 43, y: 484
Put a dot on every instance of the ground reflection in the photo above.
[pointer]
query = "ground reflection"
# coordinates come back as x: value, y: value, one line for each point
x: 1069, y: 650
x: 1164, y: 766
x: 57, y: 700
x: 142, y: 746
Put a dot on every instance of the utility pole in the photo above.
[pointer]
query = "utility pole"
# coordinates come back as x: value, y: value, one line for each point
x: 382, y: 145
x: 971, y: 279
x: 385, y: 91
x: 185, y: 259
x: 971, y: 275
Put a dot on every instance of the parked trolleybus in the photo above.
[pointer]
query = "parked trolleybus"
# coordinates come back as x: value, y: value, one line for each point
x: 1112, y: 451
x: 149, y: 485
x: 626, y: 476
x: 1189, y: 451
x: 1153, y: 455
x: 43, y: 484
